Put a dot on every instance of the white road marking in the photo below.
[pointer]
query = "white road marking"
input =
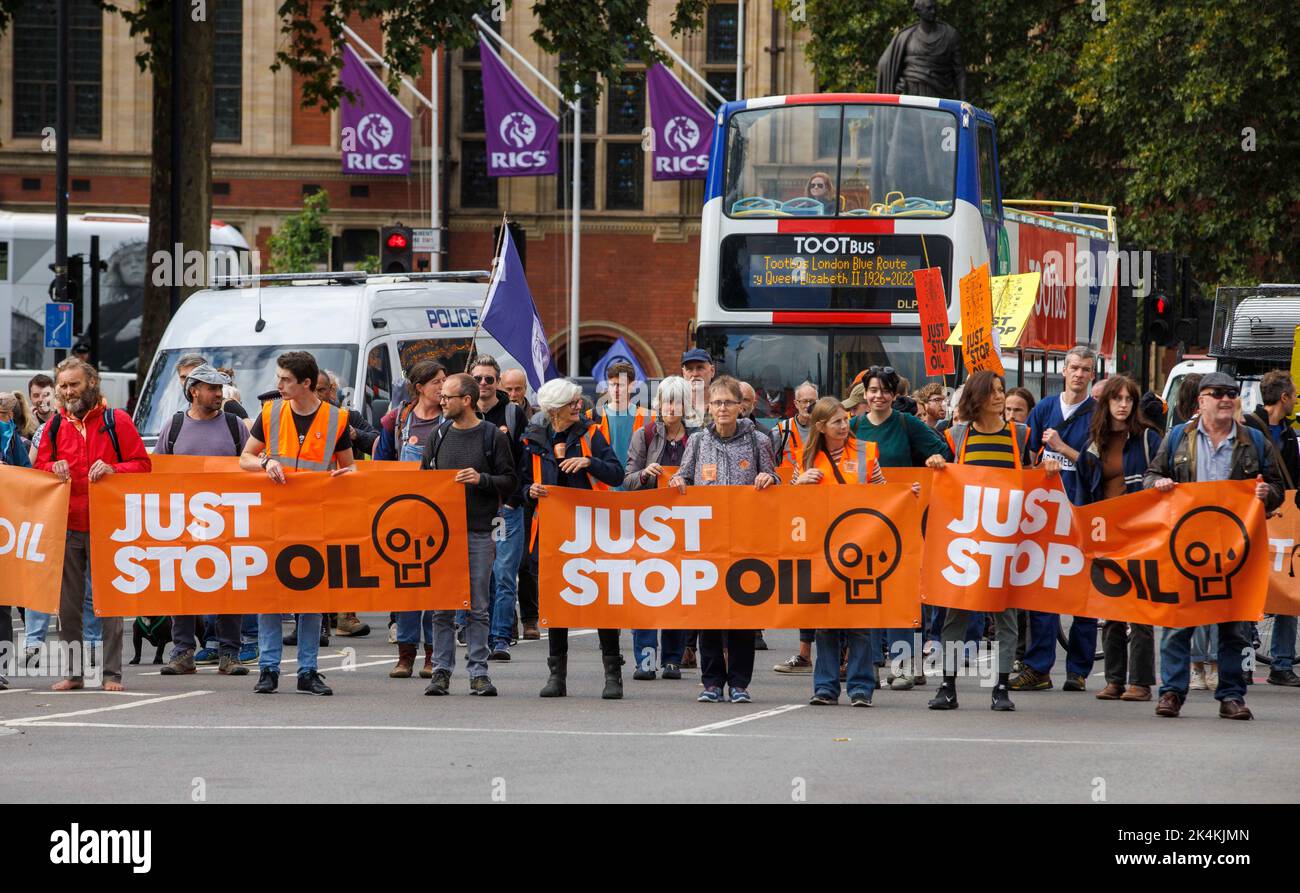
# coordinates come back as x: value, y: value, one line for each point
x: 252, y: 670
x: 32, y: 720
x: 737, y: 720
x: 100, y: 691
x: 253, y: 728
x: 13, y: 690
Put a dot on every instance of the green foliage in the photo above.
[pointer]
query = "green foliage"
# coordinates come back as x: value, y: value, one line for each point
x: 369, y: 263
x: 1137, y: 103
x: 302, y: 241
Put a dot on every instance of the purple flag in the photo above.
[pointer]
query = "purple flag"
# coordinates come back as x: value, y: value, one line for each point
x: 683, y: 128
x: 523, y: 136
x: 376, y: 129
x: 510, y: 316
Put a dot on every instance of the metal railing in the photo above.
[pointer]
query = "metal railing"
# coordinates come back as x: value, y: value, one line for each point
x: 345, y: 277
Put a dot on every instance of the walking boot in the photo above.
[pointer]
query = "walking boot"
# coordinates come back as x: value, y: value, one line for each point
x: 613, y: 676
x: 555, y: 684
x: 405, y: 662
x: 426, y: 671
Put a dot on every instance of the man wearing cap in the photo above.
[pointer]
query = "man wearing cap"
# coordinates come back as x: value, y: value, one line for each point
x: 1212, y: 447
x: 204, y: 430
x: 697, y: 368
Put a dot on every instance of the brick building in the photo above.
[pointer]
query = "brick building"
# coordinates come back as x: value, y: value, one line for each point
x: 640, y: 238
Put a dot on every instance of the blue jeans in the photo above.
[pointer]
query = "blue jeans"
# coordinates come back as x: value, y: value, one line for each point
x: 1176, y: 661
x: 1283, y: 649
x: 826, y: 662
x: 91, y: 629
x: 248, y: 630
x: 411, y: 623
x: 645, y: 647
x: 1079, y: 656
x: 505, y: 576
x: 1205, y: 644
x: 270, y: 641
x: 37, y: 623
x: 482, y: 552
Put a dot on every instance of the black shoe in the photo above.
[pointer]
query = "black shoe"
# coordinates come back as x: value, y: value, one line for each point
x: 1284, y: 677
x: 482, y: 685
x: 643, y: 675
x: 440, y: 684
x: 1075, y: 682
x: 460, y: 637
x: 267, y: 681
x: 760, y: 644
x: 501, y: 653
x: 292, y: 638
x: 945, y: 698
x: 313, y: 683
x: 672, y: 671
x: 4, y: 683
x: 324, y: 638
x: 1002, y: 699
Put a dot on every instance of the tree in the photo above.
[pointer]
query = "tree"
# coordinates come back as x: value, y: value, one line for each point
x: 302, y: 240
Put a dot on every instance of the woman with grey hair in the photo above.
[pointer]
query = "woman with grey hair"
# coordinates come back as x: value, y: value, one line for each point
x: 566, y: 450
x: 660, y: 444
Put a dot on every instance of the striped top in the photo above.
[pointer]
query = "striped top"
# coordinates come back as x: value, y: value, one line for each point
x: 995, y: 450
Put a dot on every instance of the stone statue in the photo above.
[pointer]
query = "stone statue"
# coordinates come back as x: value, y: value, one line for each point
x: 925, y: 59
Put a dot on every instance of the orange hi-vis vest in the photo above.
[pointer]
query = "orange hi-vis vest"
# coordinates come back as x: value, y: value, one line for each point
x: 957, y: 438
x: 316, y: 452
x: 639, y: 420
x: 793, y: 444
x: 857, y: 463
x: 585, y: 446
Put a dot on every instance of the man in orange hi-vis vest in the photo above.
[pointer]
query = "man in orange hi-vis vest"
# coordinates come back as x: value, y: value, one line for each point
x: 298, y: 432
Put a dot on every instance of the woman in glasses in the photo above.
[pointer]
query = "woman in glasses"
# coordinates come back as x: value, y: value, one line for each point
x: 822, y: 187
x: 902, y: 441
x: 986, y: 439
x: 729, y: 452
x: 568, y: 451
x: 1120, y: 448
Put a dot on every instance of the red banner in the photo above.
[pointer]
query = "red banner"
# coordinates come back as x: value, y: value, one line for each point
x: 932, y: 306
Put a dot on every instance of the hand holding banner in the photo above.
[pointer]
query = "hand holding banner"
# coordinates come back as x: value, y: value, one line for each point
x: 33, y: 525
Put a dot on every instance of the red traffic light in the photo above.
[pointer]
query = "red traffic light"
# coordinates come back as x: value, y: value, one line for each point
x: 396, y: 241
x: 1160, y: 303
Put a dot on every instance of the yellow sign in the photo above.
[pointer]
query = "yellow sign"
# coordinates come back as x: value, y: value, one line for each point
x: 1295, y: 358
x: 978, y: 350
x: 1013, y: 301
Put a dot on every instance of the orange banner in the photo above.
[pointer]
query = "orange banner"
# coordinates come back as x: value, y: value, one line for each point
x: 932, y: 306
x: 1283, y: 585
x: 238, y: 543
x: 165, y: 464
x: 998, y: 539
x: 33, y: 532
x: 731, y: 558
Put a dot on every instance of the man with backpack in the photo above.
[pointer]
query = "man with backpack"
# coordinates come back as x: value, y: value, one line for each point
x: 1212, y: 447
x: 205, y: 429
x: 84, y: 442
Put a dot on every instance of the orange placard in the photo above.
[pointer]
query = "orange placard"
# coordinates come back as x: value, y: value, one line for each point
x: 932, y: 306
x: 731, y: 558
x: 238, y: 543
x: 977, y: 322
x: 33, y: 525
x: 1283, y: 539
x: 998, y: 539
x: 168, y: 464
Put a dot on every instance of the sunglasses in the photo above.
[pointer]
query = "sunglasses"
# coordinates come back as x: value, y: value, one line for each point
x: 1220, y: 393
x: 485, y: 379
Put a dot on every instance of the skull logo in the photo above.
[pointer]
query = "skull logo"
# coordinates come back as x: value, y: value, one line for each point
x: 410, y: 533
x: 862, y: 548
x: 1209, y: 545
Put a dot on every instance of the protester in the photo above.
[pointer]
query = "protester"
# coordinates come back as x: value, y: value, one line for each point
x: 567, y: 452
x: 480, y: 454
x: 931, y: 404
x: 495, y: 407
x: 84, y: 442
x: 697, y: 368
x: 789, y: 440
x: 1020, y: 403
x: 660, y: 443
x: 364, y: 435
x: 989, y: 440
x: 1185, y: 402
x: 1277, y: 396
x: 205, y: 429
x: 1212, y: 447
x: 515, y: 383
x: 1121, y: 445
x: 748, y: 400
x: 297, y: 432
x: 12, y: 452
x: 40, y: 393
x: 834, y: 456
x: 1060, y: 429
x: 728, y: 452
x: 902, y: 440
x: 856, y: 403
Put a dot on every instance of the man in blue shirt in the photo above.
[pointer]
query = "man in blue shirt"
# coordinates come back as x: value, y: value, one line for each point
x: 618, y: 419
x: 1059, y: 426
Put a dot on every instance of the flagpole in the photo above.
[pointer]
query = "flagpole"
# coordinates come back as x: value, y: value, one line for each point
x: 740, y: 49
x: 496, y: 266
x: 673, y: 54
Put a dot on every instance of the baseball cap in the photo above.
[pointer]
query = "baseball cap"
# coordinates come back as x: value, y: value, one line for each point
x: 1218, y: 380
x: 696, y: 354
x: 856, y: 396
x: 205, y: 374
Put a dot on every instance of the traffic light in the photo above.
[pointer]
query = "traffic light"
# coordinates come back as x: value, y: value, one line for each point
x: 395, y: 249
x: 1160, y: 319
x: 76, y: 292
x: 1126, y: 313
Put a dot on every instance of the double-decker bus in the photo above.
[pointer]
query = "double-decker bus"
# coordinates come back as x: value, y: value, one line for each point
x: 818, y: 209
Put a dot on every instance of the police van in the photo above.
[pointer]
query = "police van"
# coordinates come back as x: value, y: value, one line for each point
x: 368, y: 329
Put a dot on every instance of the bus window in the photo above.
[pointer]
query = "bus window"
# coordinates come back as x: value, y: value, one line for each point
x: 855, y: 351
x: 4, y: 261
x: 773, y: 362
x: 379, y: 384
x: 988, y: 174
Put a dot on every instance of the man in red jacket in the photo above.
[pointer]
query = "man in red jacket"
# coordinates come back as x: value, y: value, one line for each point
x: 83, y: 442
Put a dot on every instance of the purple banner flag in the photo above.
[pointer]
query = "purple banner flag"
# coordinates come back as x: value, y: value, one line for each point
x: 376, y: 129
x: 510, y: 316
x: 683, y: 128
x: 523, y: 136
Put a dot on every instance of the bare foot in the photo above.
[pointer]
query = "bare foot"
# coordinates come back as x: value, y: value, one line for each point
x: 111, y: 685
x: 67, y: 685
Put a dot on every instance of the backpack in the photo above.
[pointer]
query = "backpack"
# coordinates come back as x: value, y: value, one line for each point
x: 178, y: 422
x: 1256, y: 438
x: 430, y: 458
x: 110, y: 428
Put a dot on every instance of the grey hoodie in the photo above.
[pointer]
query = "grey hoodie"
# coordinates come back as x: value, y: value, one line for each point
x: 733, y: 457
